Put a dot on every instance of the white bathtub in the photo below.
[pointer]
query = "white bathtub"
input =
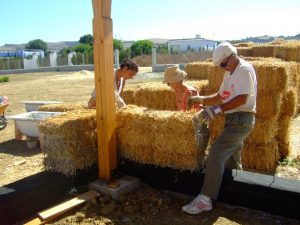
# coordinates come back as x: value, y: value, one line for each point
x: 27, y: 122
x: 34, y: 105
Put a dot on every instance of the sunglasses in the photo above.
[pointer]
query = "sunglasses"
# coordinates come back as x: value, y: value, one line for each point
x: 224, y: 64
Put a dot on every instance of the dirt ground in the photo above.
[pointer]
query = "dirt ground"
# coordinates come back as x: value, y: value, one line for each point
x: 143, y: 206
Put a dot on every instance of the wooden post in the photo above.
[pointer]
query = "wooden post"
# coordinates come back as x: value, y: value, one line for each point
x: 104, y: 84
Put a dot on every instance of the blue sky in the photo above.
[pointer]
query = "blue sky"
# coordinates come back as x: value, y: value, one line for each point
x: 68, y: 20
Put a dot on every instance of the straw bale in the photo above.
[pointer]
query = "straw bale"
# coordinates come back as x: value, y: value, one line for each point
x: 264, y: 131
x: 63, y: 107
x: 128, y: 94
x: 142, y: 133
x: 260, y: 157
x: 289, y: 102
x: 244, y: 51
x: 70, y: 138
x: 159, y: 96
x: 216, y: 127
x: 289, y: 50
x: 283, y: 135
x: 268, y: 104
x: 155, y: 96
x: 271, y: 76
x: 263, y: 50
x: 206, y: 71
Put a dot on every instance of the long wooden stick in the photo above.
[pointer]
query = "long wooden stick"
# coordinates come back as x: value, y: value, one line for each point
x: 104, y: 84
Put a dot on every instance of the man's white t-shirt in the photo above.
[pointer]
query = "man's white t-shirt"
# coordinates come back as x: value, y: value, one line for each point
x: 241, y: 81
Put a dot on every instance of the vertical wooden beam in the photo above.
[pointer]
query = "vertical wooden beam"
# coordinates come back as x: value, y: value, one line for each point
x: 104, y: 84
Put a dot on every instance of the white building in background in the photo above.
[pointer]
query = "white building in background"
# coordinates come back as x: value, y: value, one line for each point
x: 191, y: 44
x: 31, y: 62
x: 127, y: 44
x: 70, y: 55
x: 52, y: 58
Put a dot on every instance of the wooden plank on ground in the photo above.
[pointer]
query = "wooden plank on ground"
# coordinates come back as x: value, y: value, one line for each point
x: 35, y: 221
x: 67, y: 205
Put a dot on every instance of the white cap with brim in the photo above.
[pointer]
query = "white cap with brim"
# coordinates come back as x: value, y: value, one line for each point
x: 174, y: 74
x: 222, y: 51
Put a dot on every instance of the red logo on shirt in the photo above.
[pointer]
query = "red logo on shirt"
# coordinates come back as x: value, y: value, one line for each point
x: 226, y: 94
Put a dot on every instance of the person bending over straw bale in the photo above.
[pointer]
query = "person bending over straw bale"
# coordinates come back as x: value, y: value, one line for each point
x: 236, y: 98
x: 128, y: 69
x: 174, y: 77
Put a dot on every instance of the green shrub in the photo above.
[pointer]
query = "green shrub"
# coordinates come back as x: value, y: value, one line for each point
x: 4, y: 79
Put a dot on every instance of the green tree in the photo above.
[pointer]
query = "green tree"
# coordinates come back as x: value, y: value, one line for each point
x: 65, y: 51
x: 86, y: 39
x: 118, y: 45
x: 83, y: 48
x: 37, y: 44
x: 141, y: 47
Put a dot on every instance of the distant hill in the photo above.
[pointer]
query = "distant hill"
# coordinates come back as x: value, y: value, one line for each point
x: 266, y: 38
x: 52, y: 46
x: 57, y: 46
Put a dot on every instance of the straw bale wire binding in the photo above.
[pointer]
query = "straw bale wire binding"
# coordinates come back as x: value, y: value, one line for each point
x: 260, y: 157
x: 289, y: 50
x: 283, y: 135
x: 63, y: 107
x: 244, y: 51
x: 145, y: 135
x: 69, y: 141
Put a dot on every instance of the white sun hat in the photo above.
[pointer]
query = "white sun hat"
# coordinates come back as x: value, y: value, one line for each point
x: 174, y: 74
x: 222, y: 51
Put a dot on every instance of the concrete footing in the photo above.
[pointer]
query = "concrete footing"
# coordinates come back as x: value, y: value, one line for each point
x: 120, y: 186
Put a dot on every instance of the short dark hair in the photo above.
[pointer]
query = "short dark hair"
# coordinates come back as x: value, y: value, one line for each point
x: 129, y: 64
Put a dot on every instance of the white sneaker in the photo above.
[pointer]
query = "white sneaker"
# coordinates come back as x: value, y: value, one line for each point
x: 199, y: 204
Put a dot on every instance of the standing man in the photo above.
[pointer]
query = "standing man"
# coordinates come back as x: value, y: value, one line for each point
x: 236, y: 99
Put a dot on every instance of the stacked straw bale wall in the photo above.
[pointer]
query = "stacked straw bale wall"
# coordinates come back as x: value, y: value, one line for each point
x: 69, y: 141
x: 245, y: 51
x: 286, y: 50
x: 162, y: 138
x: 289, y: 51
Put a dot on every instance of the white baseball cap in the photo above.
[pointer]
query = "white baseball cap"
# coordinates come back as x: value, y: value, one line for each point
x: 222, y: 51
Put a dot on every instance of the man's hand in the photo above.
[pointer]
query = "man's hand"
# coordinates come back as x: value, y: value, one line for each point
x: 208, y: 113
x: 195, y: 100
